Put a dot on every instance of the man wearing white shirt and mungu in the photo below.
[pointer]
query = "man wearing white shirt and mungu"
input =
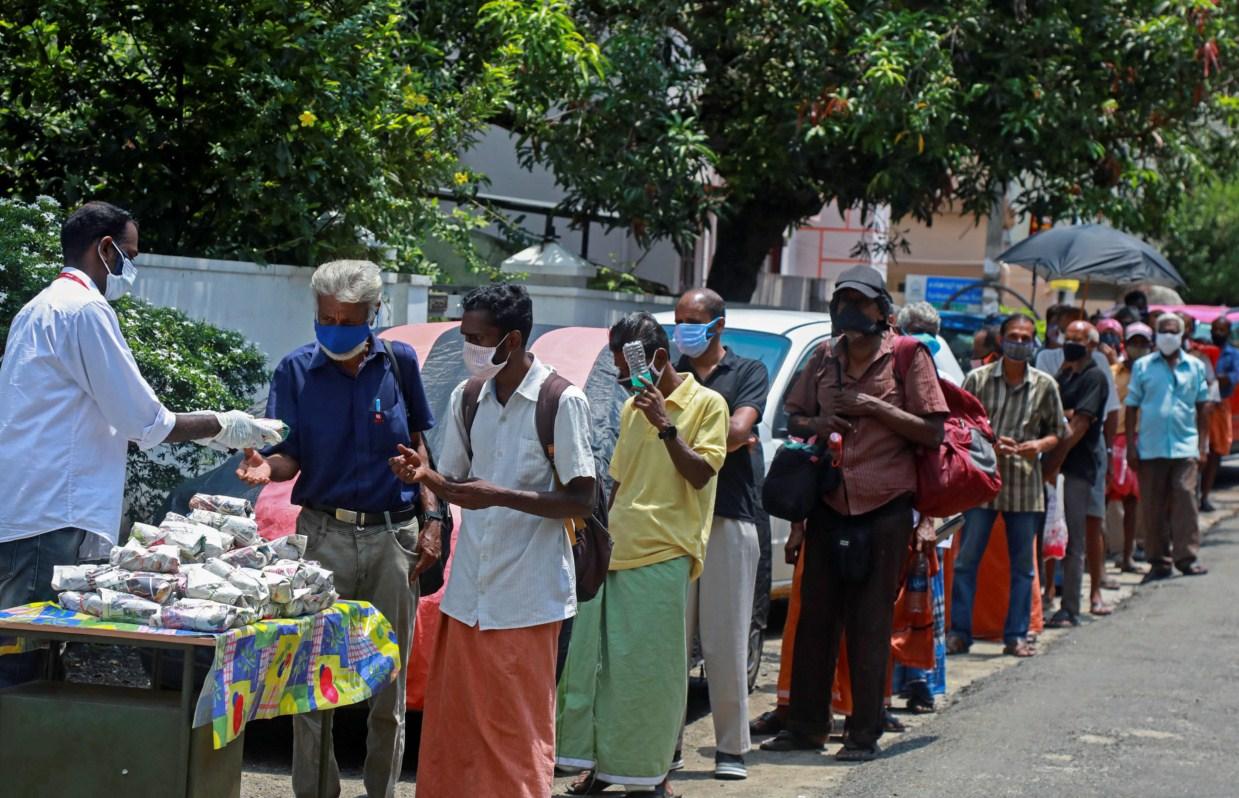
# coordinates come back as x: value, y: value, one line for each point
x: 71, y: 400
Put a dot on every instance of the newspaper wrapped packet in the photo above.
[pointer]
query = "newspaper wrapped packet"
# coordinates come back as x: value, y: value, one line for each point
x: 228, y: 505
x: 110, y: 605
x: 202, y: 615
x: 244, y: 531
x: 133, y: 556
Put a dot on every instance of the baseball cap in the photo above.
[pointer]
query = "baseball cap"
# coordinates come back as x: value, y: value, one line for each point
x: 864, y: 279
x: 1137, y: 328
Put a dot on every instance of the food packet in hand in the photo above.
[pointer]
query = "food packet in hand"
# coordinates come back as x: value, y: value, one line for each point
x: 228, y: 505
x: 244, y: 531
x: 133, y: 556
x: 147, y: 534
x: 86, y: 603
x: 125, y: 607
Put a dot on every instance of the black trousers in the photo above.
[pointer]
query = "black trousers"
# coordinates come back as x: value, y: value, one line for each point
x: 831, y: 605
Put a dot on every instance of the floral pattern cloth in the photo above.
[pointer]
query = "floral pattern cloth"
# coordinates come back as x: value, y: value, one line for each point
x: 284, y: 666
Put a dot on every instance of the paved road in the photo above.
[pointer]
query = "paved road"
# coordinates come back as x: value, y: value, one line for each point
x: 1144, y: 704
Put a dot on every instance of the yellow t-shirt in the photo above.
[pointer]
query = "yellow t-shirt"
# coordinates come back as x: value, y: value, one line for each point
x: 657, y: 514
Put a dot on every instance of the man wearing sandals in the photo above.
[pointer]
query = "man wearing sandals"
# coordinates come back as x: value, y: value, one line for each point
x: 1167, y: 417
x: 1024, y: 407
x: 1083, y: 388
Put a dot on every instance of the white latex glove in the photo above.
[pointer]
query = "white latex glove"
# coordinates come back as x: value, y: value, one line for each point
x: 240, y: 430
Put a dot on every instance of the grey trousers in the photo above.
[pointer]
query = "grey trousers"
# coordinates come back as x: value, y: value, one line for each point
x: 1168, y: 512
x: 370, y: 564
x: 720, y: 607
x: 1077, y: 495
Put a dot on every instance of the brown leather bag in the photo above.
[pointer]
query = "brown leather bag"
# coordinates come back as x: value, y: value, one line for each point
x: 591, y: 542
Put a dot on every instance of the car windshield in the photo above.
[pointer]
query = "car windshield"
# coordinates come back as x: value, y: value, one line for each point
x: 769, y: 348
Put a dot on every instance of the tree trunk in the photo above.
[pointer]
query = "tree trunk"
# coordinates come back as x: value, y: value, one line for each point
x: 746, y: 234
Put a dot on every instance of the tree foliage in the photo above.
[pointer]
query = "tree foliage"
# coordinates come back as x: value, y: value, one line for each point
x: 190, y: 365
x: 276, y: 130
x: 765, y: 111
x: 1202, y: 241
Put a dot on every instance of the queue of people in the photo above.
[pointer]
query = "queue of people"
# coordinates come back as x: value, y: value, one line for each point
x: 524, y: 676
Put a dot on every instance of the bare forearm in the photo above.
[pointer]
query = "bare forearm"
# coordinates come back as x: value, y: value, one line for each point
x: 193, y: 427
x: 1130, y: 425
x: 691, y: 465
x: 740, y: 428
x: 1111, y: 428
x: 283, y: 467
x: 802, y: 426
x: 430, y: 502
x: 548, y: 504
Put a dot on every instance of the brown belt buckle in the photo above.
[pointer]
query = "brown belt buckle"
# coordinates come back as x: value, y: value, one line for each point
x: 348, y: 516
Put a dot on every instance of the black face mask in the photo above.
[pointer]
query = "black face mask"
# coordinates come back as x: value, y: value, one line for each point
x: 1221, y: 340
x: 1073, y: 352
x: 846, y: 317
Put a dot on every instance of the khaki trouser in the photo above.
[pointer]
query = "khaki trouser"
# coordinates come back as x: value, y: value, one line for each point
x: 1168, y: 512
x: 720, y: 608
x: 370, y: 564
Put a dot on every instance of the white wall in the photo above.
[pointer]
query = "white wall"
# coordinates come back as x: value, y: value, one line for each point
x: 271, y: 305
x: 583, y: 307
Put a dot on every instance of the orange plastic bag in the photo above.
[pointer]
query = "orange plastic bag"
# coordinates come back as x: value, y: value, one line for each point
x: 912, y: 632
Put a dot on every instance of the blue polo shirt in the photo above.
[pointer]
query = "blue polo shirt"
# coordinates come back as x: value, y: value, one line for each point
x: 338, y: 434
x: 1167, y: 399
x: 1228, y: 367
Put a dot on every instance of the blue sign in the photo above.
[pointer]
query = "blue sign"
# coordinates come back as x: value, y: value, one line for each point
x: 939, y: 289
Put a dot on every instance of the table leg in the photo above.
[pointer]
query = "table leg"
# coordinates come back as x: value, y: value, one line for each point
x: 324, y: 754
x: 187, y: 717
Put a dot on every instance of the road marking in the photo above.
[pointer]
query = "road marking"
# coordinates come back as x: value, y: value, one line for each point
x: 1097, y: 739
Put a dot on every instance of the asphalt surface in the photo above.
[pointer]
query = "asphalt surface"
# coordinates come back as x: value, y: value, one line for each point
x: 1143, y: 704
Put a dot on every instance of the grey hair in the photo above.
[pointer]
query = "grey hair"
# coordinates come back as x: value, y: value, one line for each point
x: 1094, y: 337
x: 920, y: 317
x: 349, y: 281
x: 1173, y: 317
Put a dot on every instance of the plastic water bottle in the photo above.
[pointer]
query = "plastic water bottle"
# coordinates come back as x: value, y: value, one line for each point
x: 835, y: 444
x: 918, y: 586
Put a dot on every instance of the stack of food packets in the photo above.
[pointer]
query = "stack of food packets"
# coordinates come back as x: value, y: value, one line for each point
x: 209, y: 571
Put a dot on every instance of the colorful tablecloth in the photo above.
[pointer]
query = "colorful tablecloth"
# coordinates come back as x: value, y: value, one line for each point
x: 337, y: 657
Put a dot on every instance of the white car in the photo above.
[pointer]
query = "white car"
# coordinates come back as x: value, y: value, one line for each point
x: 783, y: 340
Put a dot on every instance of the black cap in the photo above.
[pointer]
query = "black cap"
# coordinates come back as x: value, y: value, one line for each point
x: 865, y: 279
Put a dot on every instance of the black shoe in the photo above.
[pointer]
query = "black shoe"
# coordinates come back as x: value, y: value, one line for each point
x: 1206, y: 506
x: 730, y: 767
x: 1156, y: 575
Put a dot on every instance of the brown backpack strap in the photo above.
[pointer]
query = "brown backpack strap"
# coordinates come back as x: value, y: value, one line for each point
x: 469, y: 399
x: 552, y: 389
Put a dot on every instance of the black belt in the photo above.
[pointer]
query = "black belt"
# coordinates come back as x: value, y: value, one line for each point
x: 361, y: 519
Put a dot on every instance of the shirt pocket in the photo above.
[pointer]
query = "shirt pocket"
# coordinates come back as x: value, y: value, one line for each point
x: 532, y: 466
x: 387, y: 429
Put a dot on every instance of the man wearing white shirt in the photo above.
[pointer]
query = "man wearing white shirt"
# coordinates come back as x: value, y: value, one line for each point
x: 489, y: 723
x: 71, y: 400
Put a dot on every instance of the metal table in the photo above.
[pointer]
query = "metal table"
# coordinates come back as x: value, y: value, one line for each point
x: 199, y: 770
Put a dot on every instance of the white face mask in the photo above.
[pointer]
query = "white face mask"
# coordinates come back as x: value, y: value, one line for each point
x: 1169, y: 343
x: 479, y: 360
x: 352, y: 353
x: 119, y: 284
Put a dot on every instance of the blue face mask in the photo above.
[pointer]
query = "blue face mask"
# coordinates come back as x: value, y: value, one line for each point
x: 340, y: 341
x: 930, y: 342
x: 693, y: 339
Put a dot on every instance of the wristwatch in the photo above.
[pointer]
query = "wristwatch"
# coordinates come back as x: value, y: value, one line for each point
x: 668, y: 433
x: 437, y: 514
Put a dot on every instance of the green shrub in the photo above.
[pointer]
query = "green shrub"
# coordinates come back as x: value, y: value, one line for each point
x: 191, y: 365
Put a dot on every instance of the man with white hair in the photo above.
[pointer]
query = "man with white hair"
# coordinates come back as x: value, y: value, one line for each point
x: 919, y: 317
x: 1167, y: 415
x: 350, y: 400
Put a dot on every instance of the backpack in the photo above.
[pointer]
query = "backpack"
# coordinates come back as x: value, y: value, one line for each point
x: 963, y: 472
x: 591, y: 542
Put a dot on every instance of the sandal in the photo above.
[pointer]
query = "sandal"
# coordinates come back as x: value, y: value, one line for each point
x: 788, y: 740
x: 920, y: 699
x: 1062, y: 620
x: 663, y: 791
x: 588, y: 784
x: 767, y: 723
x: 1130, y: 568
x: 1099, y: 608
x: 849, y: 753
x: 892, y: 724
x: 956, y: 644
x: 1020, y: 648
x: 1195, y: 569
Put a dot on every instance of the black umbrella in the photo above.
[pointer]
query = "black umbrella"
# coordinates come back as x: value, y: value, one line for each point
x: 1092, y: 252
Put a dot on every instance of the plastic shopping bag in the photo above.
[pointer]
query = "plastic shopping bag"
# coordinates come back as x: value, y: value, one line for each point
x: 1054, y: 539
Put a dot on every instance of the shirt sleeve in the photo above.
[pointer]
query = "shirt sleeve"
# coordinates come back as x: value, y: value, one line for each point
x: 1202, y: 391
x: 1054, y: 419
x: 1135, y: 385
x: 454, y: 461
x: 103, y: 365
x: 574, y: 452
x: 420, y: 414
x: 710, y: 441
x: 282, y: 404
x: 802, y: 397
x: 922, y: 394
x: 753, y: 389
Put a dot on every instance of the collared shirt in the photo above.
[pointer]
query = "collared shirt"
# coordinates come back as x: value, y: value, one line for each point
x: 657, y: 514
x: 1084, y: 392
x: 511, y: 569
x: 742, y: 382
x: 1025, y: 412
x: 1228, y: 367
x: 1167, y: 398
x: 1051, y: 362
x: 71, y: 400
x: 343, y: 429
x: 879, y: 465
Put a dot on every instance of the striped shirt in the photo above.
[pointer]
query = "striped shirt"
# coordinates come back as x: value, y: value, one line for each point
x: 1028, y: 411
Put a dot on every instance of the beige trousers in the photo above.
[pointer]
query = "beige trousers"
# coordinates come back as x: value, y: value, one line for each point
x: 370, y: 564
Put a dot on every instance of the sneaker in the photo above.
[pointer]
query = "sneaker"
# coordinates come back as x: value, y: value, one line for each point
x: 729, y: 767
x: 677, y: 761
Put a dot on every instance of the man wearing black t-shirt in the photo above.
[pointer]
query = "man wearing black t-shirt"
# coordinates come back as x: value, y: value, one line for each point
x: 1084, y: 389
x: 720, y: 603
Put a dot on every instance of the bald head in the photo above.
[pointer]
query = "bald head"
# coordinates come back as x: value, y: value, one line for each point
x: 1082, y: 332
x: 705, y: 300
